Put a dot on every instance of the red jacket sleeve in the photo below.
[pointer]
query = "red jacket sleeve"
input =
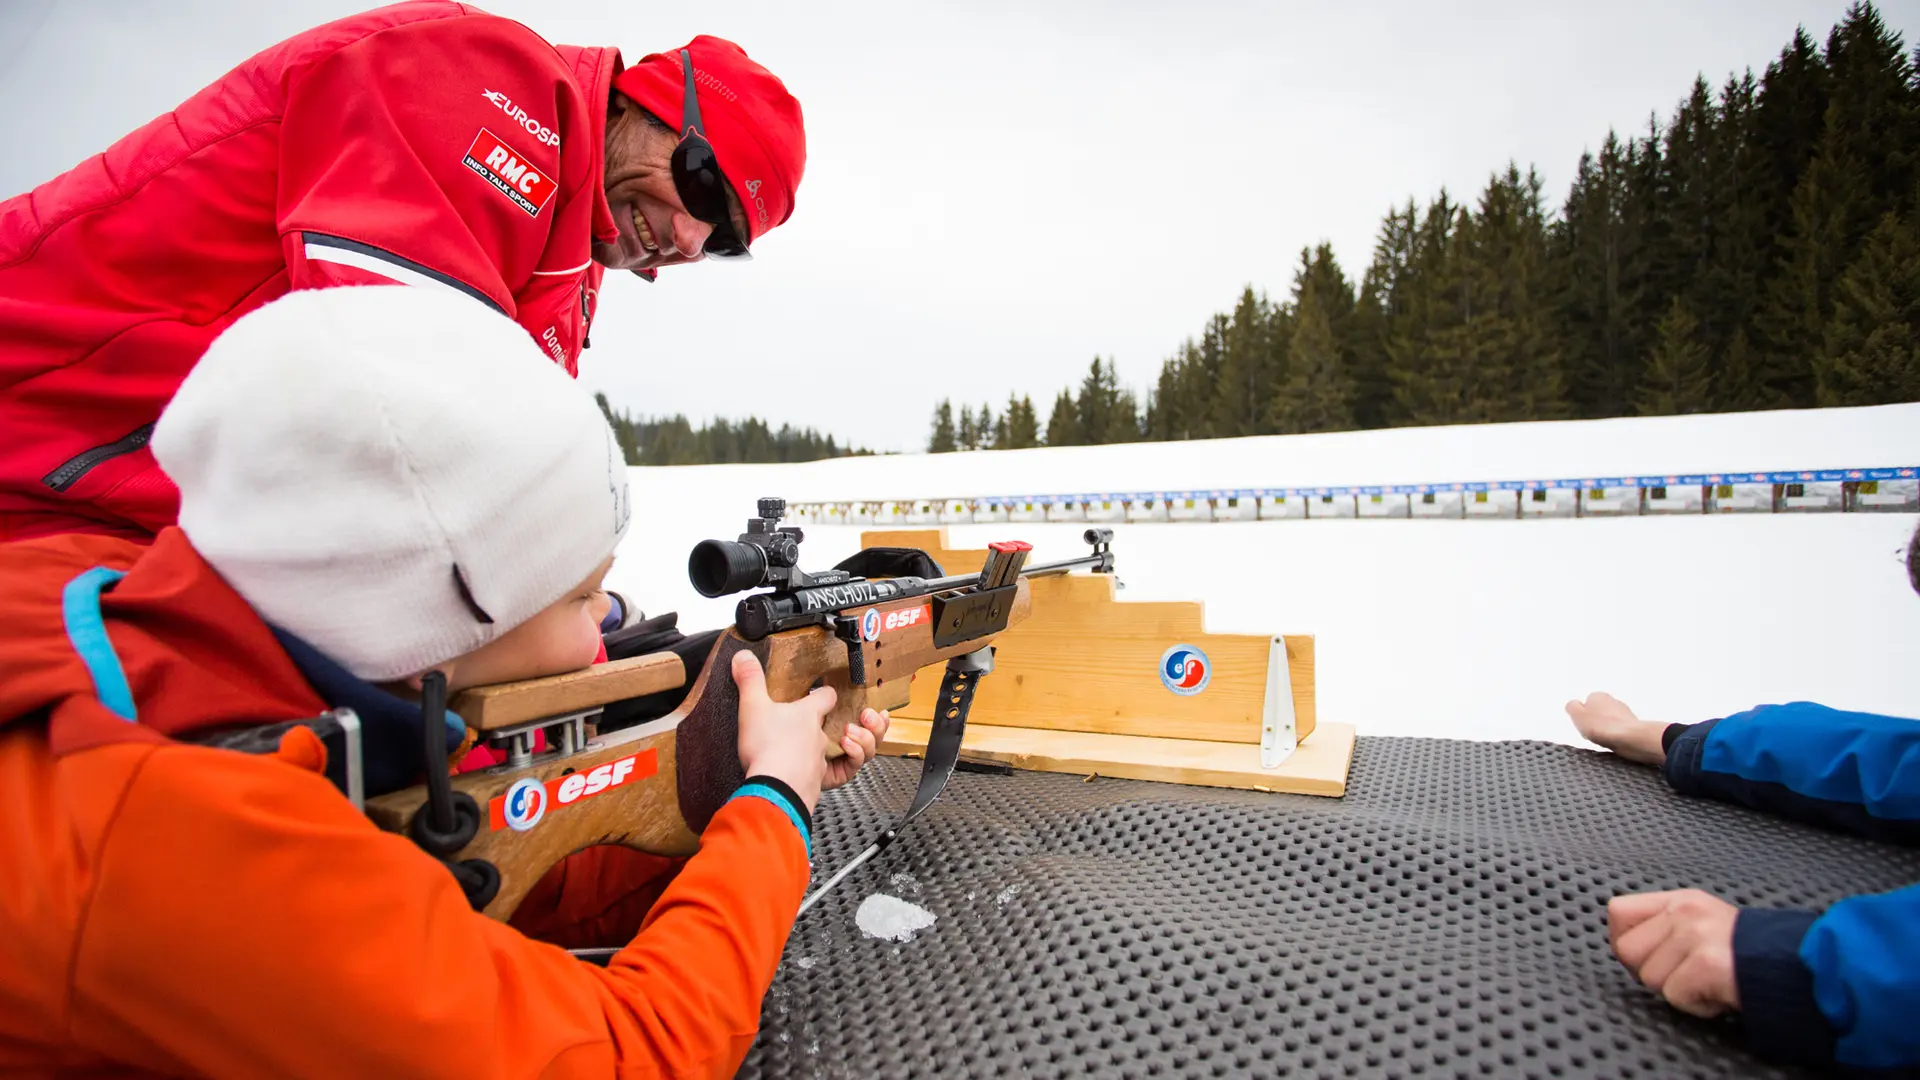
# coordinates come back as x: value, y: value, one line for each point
x: 453, y: 153
x: 248, y: 922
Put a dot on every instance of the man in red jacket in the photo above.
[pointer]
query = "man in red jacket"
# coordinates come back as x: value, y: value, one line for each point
x: 426, y: 144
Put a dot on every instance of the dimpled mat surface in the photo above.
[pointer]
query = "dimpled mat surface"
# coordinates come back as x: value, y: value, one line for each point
x: 1446, y: 918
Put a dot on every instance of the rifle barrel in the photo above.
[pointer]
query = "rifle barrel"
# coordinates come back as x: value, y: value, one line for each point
x: 964, y: 581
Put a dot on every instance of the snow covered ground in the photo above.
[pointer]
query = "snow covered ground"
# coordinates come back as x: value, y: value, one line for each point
x: 1461, y: 629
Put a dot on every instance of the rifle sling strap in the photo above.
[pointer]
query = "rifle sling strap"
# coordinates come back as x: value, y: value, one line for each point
x: 943, y: 753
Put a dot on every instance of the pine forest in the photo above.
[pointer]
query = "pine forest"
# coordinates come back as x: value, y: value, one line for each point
x: 1760, y: 249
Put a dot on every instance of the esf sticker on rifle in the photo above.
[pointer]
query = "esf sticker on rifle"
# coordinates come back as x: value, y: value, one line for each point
x: 876, y: 622
x: 528, y: 800
x: 509, y: 172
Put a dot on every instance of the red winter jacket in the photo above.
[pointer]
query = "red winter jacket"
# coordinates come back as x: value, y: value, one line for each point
x: 429, y: 144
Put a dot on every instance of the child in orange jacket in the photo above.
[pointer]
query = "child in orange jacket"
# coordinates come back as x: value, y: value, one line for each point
x: 376, y: 483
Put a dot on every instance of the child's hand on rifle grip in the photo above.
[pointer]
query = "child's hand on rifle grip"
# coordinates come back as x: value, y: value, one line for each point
x: 861, y: 743
x: 781, y: 739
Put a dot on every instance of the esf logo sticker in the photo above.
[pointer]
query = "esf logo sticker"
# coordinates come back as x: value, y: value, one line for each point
x: 525, y: 804
x: 527, y: 801
x: 1185, y: 670
x: 875, y: 622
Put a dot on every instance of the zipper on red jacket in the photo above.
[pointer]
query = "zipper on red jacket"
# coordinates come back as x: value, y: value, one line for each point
x: 83, y: 463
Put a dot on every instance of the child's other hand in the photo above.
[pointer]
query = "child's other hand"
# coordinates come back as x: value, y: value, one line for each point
x: 1680, y: 944
x: 862, y: 744
x: 1606, y: 720
x: 781, y: 739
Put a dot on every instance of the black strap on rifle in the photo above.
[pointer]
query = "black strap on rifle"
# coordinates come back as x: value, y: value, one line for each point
x: 449, y: 819
x: 943, y: 753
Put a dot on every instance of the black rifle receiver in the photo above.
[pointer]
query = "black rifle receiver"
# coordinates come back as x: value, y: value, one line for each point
x: 767, y: 555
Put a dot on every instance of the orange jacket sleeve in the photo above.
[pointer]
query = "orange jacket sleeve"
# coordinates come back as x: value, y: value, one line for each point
x: 246, y: 921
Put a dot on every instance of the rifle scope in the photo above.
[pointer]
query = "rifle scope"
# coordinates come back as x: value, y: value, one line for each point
x: 765, y: 554
x: 719, y: 567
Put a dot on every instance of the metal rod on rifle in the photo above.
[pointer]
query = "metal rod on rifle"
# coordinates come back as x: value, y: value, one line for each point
x: 855, y: 864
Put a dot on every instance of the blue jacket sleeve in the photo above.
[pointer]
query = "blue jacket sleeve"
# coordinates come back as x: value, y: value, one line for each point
x: 1841, y: 987
x: 1858, y: 772
x: 1844, y: 986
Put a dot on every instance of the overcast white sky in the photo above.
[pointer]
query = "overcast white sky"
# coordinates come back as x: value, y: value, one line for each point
x: 997, y: 191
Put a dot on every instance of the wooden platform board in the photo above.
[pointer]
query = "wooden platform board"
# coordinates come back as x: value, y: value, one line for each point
x: 1318, y: 767
x: 1077, y: 688
x: 1047, y: 677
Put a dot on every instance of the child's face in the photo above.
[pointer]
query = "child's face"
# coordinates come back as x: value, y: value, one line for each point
x: 564, y: 636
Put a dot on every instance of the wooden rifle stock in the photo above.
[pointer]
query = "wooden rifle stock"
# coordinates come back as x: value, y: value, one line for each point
x: 655, y: 786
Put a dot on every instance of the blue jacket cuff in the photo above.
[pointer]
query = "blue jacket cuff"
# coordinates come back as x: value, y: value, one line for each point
x: 1778, y: 1012
x: 776, y: 791
x: 1684, y: 748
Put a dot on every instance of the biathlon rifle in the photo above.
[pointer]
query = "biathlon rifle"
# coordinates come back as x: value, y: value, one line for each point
x: 655, y: 786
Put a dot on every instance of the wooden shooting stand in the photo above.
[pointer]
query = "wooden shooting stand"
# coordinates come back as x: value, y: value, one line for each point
x: 1077, y: 689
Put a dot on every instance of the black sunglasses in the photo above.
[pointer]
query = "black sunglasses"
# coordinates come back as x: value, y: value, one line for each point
x: 697, y: 177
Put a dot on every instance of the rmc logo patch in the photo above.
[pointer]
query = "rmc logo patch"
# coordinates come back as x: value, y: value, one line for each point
x: 500, y: 165
x: 1185, y: 670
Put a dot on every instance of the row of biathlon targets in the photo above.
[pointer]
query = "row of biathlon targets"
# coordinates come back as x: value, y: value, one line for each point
x: 1835, y: 496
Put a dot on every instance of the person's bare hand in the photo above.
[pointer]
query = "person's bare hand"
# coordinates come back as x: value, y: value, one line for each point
x: 861, y: 743
x: 781, y: 739
x: 1606, y: 720
x: 1680, y: 944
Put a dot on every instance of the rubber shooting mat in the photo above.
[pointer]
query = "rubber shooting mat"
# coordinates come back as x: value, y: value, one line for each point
x: 1446, y: 918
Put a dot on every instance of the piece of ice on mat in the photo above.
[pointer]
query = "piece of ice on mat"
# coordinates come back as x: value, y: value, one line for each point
x: 889, y: 917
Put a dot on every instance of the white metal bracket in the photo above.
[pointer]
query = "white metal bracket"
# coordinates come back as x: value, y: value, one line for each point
x: 1278, y: 736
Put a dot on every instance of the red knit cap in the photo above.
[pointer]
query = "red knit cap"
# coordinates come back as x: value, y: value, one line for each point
x: 753, y: 123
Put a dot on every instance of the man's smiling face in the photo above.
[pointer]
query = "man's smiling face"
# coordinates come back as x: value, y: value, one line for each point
x: 655, y: 228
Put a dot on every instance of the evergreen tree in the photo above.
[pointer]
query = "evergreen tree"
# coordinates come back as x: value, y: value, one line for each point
x: 1678, y: 378
x: 1384, y: 309
x: 985, y: 426
x: 1164, y: 422
x: 1518, y: 372
x: 1023, y: 429
x: 1063, y: 428
x: 1731, y: 284
x: 942, y: 441
x: 1318, y: 395
x: 1595, y: 253
x: 1736, y: 383
x: 1862, y: 168
x: 1871, y: 351
x: 1093, y: 406
x: 1123, y: 424
x: 624, y: 432
x: 674, y: 441
x: 1245, y: 369
x: 967, y: 437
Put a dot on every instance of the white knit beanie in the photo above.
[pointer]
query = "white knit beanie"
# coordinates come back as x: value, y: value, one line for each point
x: 396, y: 475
